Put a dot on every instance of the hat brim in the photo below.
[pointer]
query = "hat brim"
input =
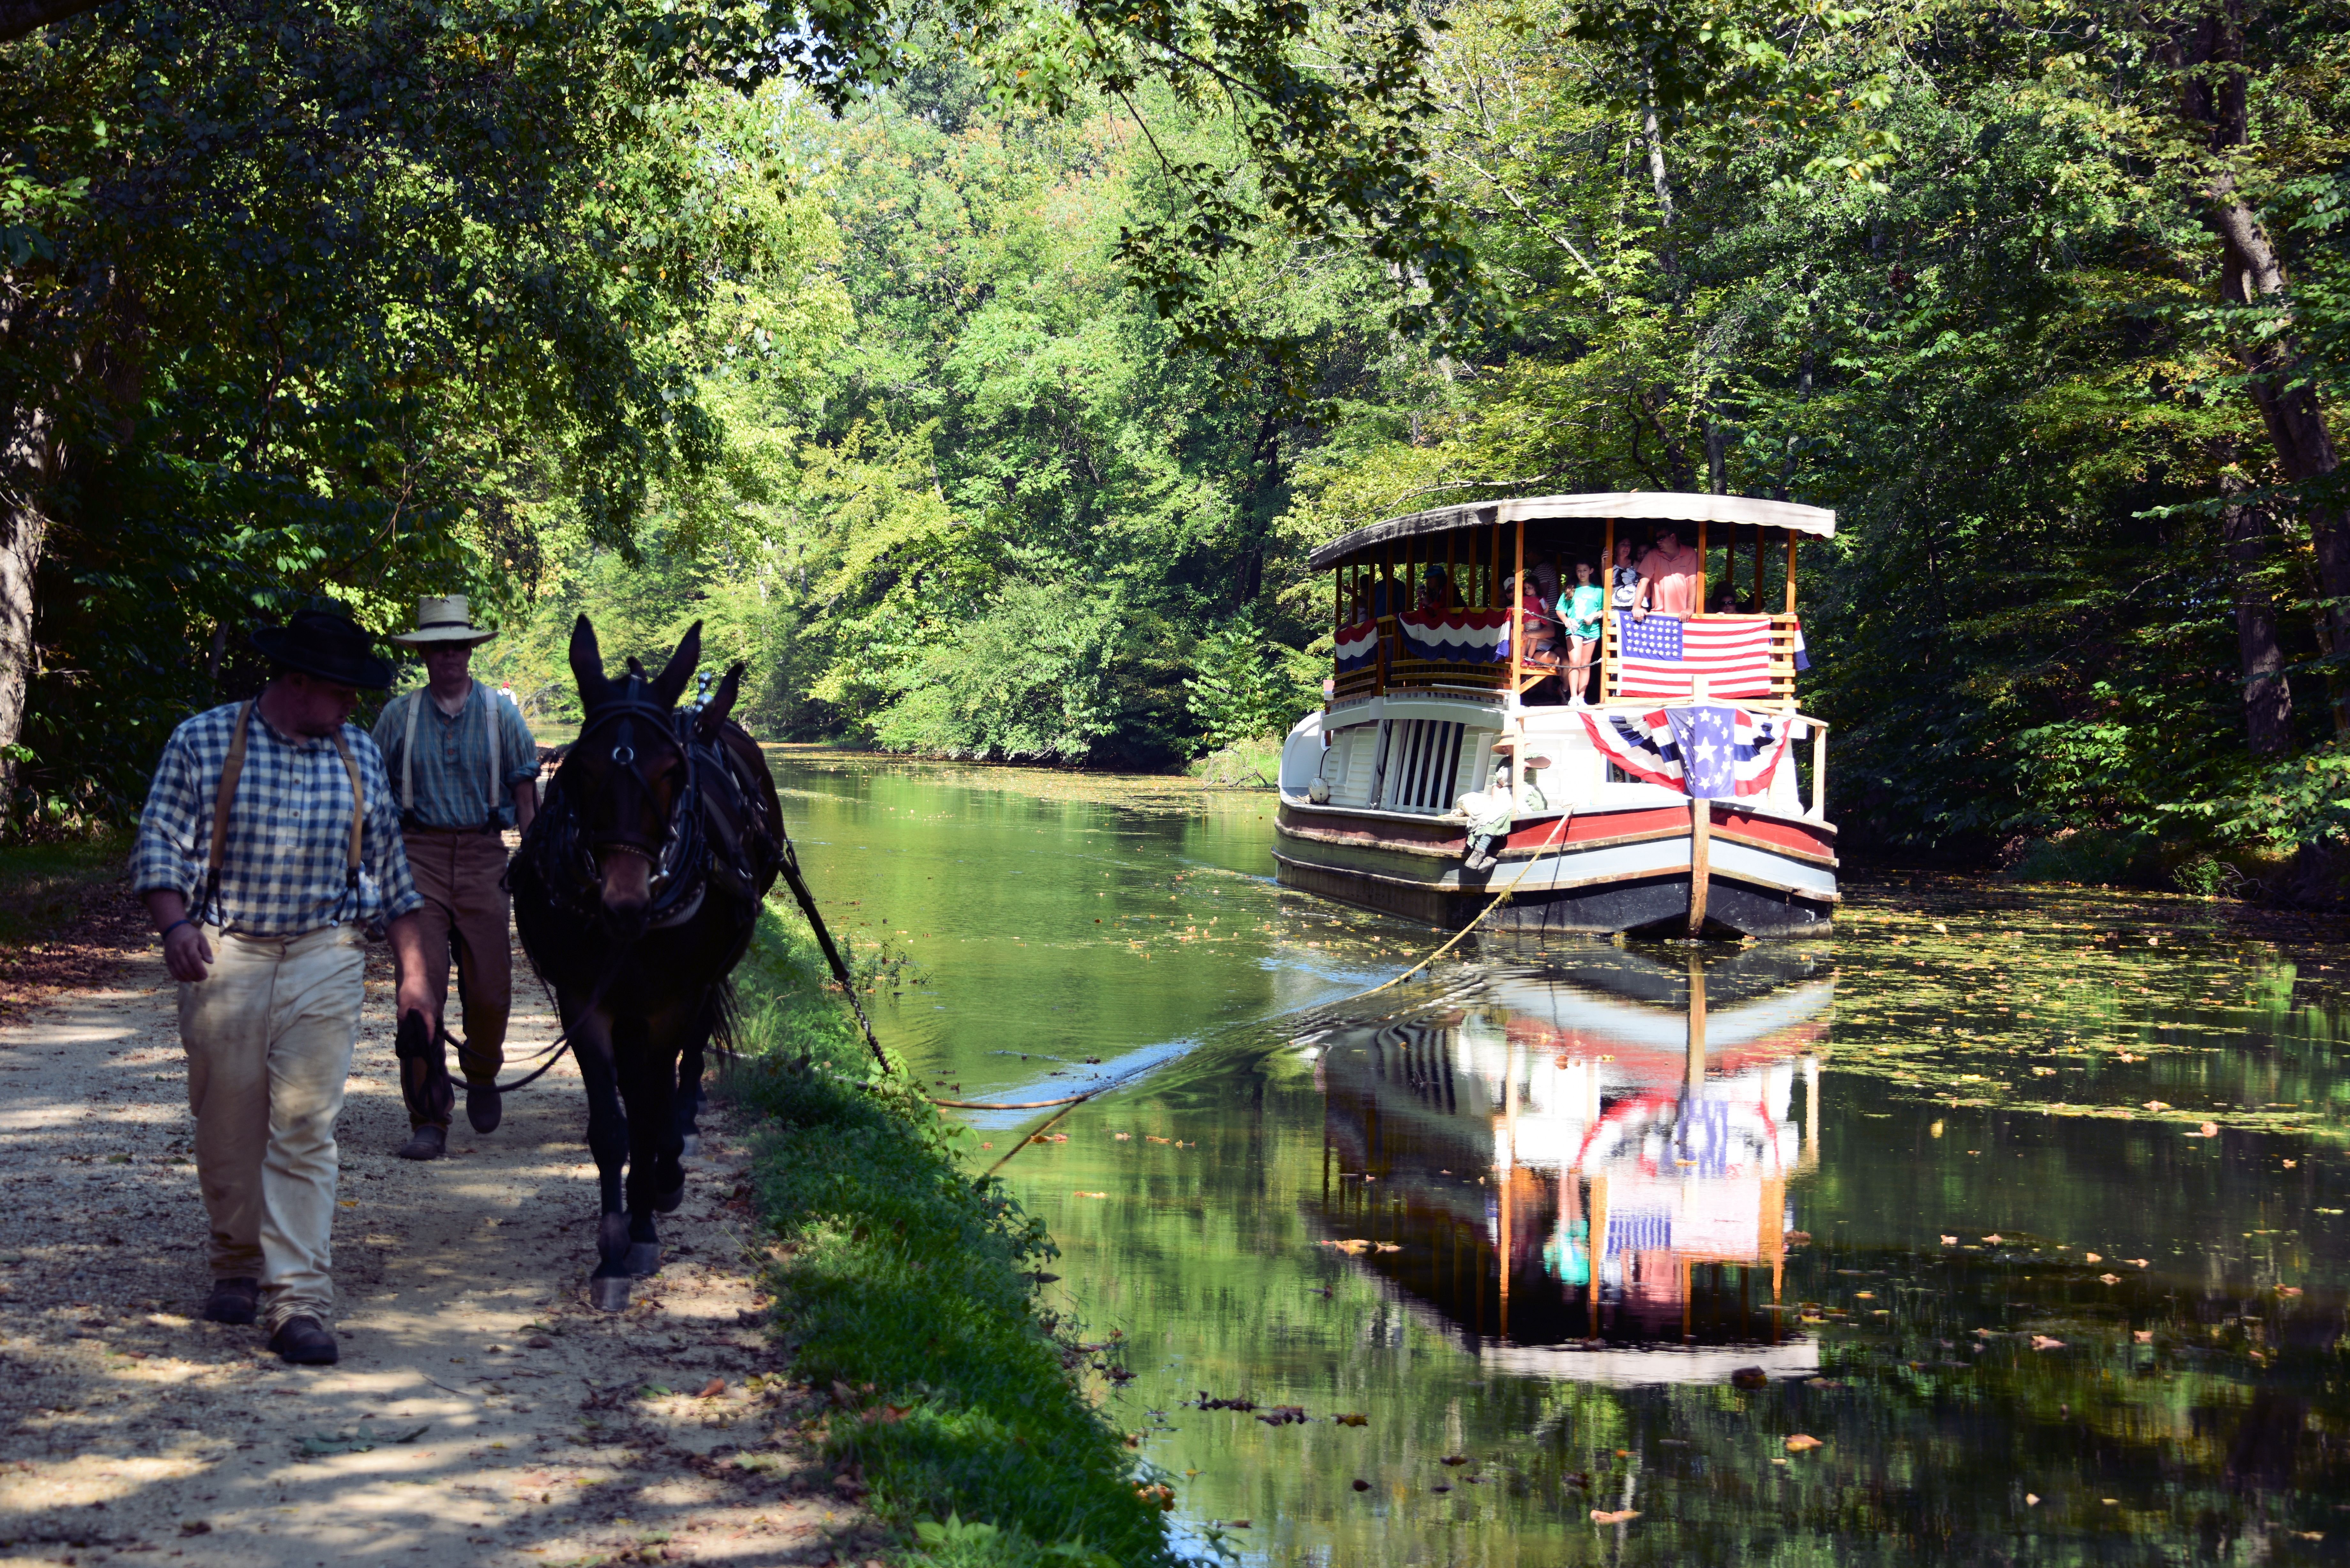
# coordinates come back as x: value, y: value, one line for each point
x: 440, y: 635
x: 365, y: 672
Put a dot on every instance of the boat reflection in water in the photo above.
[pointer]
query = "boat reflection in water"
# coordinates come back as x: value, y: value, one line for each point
x: 1583, y: 1169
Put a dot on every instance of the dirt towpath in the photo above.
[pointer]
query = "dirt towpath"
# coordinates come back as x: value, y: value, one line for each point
x: 481, y: 1412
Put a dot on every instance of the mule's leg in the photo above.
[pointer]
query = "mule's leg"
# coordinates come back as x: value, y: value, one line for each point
x: 689, y: 1101
x: 607, y: 1138
x: 649, y: 1084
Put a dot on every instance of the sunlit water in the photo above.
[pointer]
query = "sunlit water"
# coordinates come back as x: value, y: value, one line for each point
x: 2026, y: 1205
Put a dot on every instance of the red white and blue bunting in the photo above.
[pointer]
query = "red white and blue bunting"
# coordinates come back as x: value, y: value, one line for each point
x: 1708, y: 751
x: 1458, y: 637
x: 1358, y: 646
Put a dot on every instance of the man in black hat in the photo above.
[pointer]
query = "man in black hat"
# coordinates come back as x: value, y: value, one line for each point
x: 271, y: 822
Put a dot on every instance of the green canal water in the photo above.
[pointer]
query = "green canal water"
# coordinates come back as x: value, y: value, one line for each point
x: 2005, y: 1225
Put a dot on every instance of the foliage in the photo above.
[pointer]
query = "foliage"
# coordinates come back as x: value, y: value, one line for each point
x: 1246, y: 687
x: 909, y: 1285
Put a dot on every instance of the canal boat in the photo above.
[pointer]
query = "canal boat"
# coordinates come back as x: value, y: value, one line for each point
x: 1665, y: 796
x: 1584, y: 1172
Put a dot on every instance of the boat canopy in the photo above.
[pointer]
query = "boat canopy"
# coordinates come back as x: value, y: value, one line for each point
x: 1661, y: 505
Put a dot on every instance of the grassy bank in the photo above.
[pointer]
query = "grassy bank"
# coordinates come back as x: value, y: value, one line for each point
x: 908, y: 1292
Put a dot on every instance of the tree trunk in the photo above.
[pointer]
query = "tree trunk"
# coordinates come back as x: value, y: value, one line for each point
x: 27, y: 465
x: 2268, y: 701
x: 2251, y: 271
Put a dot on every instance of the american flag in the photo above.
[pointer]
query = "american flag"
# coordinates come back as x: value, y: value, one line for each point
x: 1659, y: 654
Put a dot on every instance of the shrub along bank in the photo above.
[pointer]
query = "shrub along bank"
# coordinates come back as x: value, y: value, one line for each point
x: 909, y: 1290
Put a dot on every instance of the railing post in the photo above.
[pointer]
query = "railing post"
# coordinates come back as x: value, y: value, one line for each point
x: 1819, y: 812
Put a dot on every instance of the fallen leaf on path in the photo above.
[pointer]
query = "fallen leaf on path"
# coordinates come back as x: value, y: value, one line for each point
x: 1614, y: 1516
x: 1801, y: 1442
x: 712, y: 1389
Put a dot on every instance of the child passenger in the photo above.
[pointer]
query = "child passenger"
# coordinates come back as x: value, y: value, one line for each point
x: 1581, y: 613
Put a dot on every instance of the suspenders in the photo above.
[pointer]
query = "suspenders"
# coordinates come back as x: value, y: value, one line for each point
x: 231, y: 772
x: 415, y: 701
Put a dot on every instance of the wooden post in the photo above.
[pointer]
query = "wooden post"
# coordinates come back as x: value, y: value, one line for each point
x: 1791, y: 571
x: 1517, y: 634
x: 1608, y: 651
x: 1700, y: 836
x: 1700, y: 568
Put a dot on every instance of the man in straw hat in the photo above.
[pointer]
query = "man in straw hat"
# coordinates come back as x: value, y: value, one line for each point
x: 465, y: 768
x: 268, y: 845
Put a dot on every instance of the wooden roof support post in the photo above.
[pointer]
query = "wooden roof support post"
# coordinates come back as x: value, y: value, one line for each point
x: 1700, y: 567
x: 1608, y: 647
x: 1791, y: 571
x: 1517, y: 635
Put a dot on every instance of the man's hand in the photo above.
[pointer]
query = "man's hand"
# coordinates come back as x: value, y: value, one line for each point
x: 185, y: 952
x: 413, y: 995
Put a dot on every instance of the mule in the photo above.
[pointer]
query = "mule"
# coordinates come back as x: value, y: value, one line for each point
x: 634, y: 894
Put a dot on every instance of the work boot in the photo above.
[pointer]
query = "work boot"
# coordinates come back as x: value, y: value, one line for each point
x: 427, y: 1142
x: 232, y: 1299
x: 484, y: 1107
x: 306, y: 1343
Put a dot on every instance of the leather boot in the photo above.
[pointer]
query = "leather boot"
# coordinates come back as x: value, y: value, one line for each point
x: 484, y: 1107
x: 232, y: 1299
x: 304, y: 1342
x: 427, y: 1142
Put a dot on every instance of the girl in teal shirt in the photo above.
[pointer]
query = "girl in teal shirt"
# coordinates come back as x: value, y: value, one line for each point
x: 1584, y: 607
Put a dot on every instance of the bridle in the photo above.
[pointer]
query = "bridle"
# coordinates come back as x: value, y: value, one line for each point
x: 679, y: 858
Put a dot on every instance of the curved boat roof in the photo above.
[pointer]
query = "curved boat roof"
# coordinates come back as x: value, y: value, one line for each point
x: 1659, y: 505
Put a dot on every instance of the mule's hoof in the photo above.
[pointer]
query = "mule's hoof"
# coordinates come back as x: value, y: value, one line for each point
x: 693, y: 1147
x: 644, y: 1259
x: 666, y: 1202
x: 609, y: 1293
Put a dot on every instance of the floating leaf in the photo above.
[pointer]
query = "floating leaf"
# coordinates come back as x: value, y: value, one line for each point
x: 1801, y: 1442
x: 1352, y: 1421
x: 2043, y: 1341
x: 1614, y: 1516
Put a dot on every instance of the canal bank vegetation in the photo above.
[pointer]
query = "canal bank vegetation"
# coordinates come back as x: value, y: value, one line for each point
x: 910, y: 1292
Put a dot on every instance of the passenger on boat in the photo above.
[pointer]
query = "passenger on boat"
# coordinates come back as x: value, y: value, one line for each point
x: 1436, y: 593
x: 1623, y: 578
x: 1583, y: 609
x: 1491, y: 811
x: 1668, y: 579
x: 1726, y: 602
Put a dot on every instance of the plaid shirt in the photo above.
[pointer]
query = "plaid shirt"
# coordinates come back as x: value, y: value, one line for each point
x: 452, y: 766
x: 288, y: 829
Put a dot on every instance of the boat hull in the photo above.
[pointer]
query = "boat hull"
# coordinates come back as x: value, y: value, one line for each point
x: 1766, y: 875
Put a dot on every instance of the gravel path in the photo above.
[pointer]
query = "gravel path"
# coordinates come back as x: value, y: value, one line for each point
x: 480, y: 1411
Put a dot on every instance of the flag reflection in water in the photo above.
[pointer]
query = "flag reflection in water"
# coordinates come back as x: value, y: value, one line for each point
x: 1583, y: 1168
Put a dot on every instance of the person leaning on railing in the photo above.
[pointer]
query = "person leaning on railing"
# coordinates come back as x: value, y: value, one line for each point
x: 271, y: 822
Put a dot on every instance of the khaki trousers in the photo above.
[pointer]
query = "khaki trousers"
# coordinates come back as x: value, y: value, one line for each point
x: 462, y: 877
x: 268, y: 1034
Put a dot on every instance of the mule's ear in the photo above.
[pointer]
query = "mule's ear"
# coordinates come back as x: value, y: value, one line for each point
x: 670, y: 684
x: 636, y: 667
x: 721, y: 706
x: 587, y: 663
